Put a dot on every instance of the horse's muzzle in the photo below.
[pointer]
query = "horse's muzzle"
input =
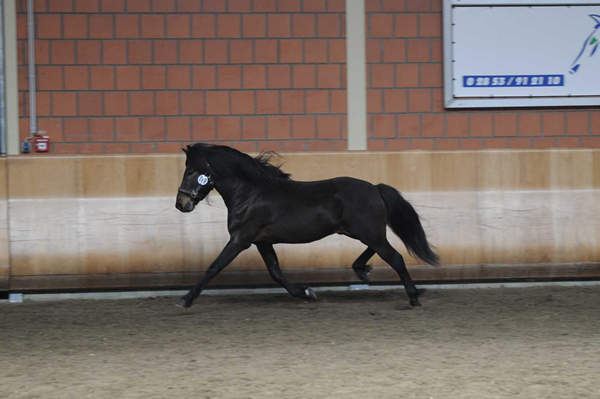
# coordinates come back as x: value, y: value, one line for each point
x: 184, y: 203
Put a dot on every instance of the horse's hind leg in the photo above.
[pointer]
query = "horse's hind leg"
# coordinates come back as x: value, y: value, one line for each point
x: 394, y: 259
x: 360, y: 266
x: 270, y: 257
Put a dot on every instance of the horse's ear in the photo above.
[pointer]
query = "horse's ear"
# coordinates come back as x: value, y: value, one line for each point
x: 596, y: 19
x: 184, y: 149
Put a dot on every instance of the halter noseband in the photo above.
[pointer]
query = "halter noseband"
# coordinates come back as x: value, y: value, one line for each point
x: 202, y: 180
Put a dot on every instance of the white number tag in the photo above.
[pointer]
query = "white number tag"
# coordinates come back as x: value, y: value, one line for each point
x: 202, y: 180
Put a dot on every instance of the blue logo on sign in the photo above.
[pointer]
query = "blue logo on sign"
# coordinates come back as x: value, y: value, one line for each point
x: 590, y: 45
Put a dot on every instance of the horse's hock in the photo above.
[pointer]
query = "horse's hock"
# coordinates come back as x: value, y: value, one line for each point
x: 109, y: 221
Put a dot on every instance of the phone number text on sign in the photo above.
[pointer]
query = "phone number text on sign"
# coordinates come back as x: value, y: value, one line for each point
x: 513, y: 80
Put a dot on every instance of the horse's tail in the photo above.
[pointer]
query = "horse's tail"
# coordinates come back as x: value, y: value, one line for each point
x: 404, y: 221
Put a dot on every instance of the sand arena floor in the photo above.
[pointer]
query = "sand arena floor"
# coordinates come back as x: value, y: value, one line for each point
x: 541, y: 342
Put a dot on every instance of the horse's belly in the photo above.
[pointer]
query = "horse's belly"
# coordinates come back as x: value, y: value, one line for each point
x: 301, y: 228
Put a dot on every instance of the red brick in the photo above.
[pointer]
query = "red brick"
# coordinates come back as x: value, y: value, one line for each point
x: 216, y: 51
x: 204, y: 128
x: 91, y: 148
x: 595, y: 123
x: 87, y: 5
x: 63, y: 52
x: 303, y: 25
x: 204, y: 77
x: 407, y: 75
x: 178, y: 128
x: 290, y: 51
x: 50, y: 78
x: 457, y: 125
x: 384, y: 125
x: 102, y: 78
x: 422, y: 144
x: 590, y: 142
x: 540, y: 142
x: 408, y: 125
x: 153, y: 129
x: 267, y: 102
x: 418, y: 50
x: 189, y: 5
x: 265, y: 51
x: 192, y: 102
x: 315, y: 51
x: 48, y: 26
x: 52, y: 126
x: 419, y: 100
x: 314, y: 6
x: 447, y: 144
x: 303, y: 127
x: 530, y: 124
x: 42, y: 52
x: 505, y: 125
x: 178, y: 26
x: 153, y: 26
x: 254, y: 127
x: 431, y: 75
x: 142, y: 148
x: 90, y: 104
x: 153, y: 77
x: 170, y: 147
x: 265, y: 5
x: 255, y: 25
x: 431, y: 25
x: 393, y: 5
x: 64, y: 148
x: 279, y: 25
x: 381, y: 25
x: 88, y: 52
x: 290, y: 5
x: 127, y: 129
x: 214, y: 5
x: 304, y: 76
x: 278, y: 76
x: 229, y: 77
x: 128, y: 77
x: 292, y: 102
x: 240, y: 51
x: 394, y: 50
x: 64, y: 104
x: 279, y: 127
x: 336, y: 5
x: 317, y: 101
x: 228, y: 25
x: 75, y: 26
x: 254, y: 76
x: 141, y: 103
x: 329, y: 76
x: 242, y: 102
x: 217, y: 102
x: 101, y: 26
x: 374, y: 50
x: 127, y: 26
x: 239, y: 5
x: 328, y: 126
x: 116, y: 103
x: 102, y: 129
x: 203, y: 25
x: 382, y: 75
x: 472, y: 144
x: 481, y: 125
x: 329, y: 25
x: 164, y: 6
x: 337, y: 50
x: 339, y: 101
x: 190, y: 52
x: 406, y: 25
x: 229, y: 128
x: 416, y: 5
x: 179, y: 77
x: 433, y: 125
x: 57, y: 6
x: 76, y: 129
x: 553, y: 124
x: 374, y: 101
x: 165, y: 51
x: 43, y: 103
x: 394, y: 100
x: 114, y: 52
x: 577, y: 123
x: 567, y: 142
x: 437, y: 95
x: 116, y: 148
x: 140, y: 52
x: 167, y: 103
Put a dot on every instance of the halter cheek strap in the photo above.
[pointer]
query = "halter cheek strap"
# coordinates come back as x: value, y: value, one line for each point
x: 202, y: 181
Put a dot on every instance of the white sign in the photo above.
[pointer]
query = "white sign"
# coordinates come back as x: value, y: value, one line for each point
x: 521, y: 54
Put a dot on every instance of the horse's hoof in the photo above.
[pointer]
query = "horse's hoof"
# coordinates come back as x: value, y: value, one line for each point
x: 414, y: 302
x: 310, y: 294
x: 363, y: 273
x: 183, y: 304
x: 421, y: 291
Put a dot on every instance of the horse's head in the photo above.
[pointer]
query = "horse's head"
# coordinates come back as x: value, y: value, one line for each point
x: 196, y: 183
x: 590, y: 45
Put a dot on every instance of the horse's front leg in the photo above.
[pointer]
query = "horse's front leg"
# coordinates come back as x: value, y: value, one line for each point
x: 228, y: 254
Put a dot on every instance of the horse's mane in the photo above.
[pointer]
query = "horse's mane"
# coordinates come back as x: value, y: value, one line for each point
x: 227, y: 160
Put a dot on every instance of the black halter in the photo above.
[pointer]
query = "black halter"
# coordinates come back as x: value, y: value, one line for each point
x: 203, y: 180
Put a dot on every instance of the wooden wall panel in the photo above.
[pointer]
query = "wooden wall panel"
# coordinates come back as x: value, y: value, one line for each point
x: 112, y: 215
x: 4, y: 247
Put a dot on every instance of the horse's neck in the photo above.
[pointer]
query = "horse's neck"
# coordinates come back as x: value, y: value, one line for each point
x: 234, y: 191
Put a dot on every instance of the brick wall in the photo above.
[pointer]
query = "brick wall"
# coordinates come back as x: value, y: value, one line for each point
x: 405, y: 93
x: 119, y: 76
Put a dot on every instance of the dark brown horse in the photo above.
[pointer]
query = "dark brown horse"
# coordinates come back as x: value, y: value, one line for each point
x: 266, y: 207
